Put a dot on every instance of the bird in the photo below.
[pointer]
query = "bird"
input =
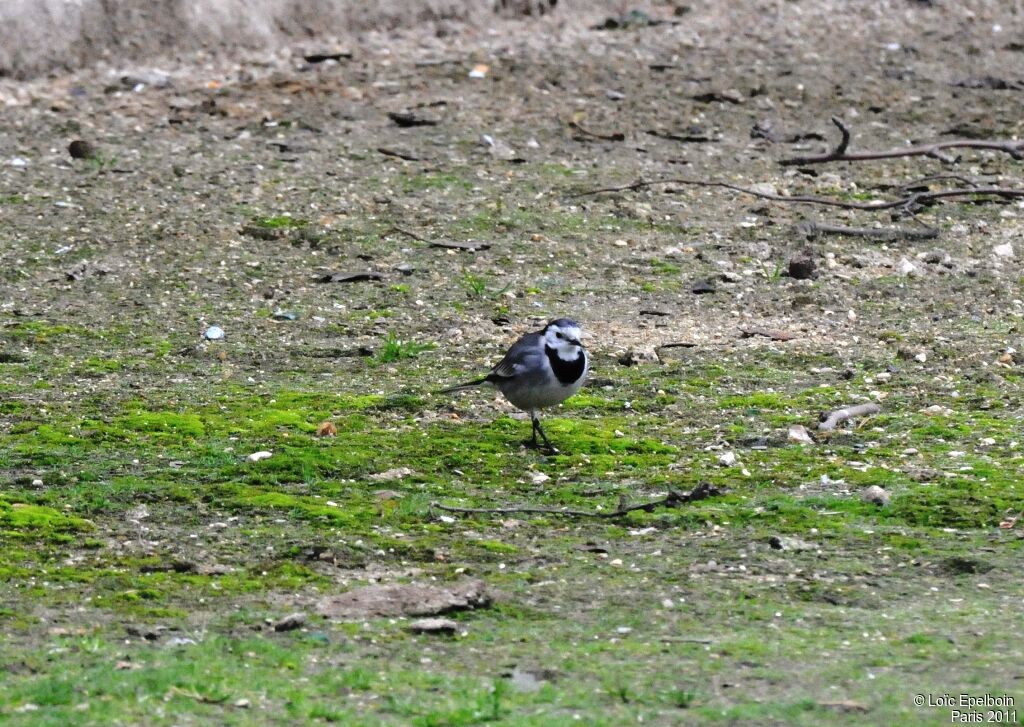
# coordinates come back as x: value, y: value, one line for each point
x: 540, y: 370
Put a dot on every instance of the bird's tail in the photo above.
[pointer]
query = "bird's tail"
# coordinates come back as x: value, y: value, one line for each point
x: 460, y: 387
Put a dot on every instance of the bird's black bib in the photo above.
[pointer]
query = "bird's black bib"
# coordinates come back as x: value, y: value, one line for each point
x: 567, y: 372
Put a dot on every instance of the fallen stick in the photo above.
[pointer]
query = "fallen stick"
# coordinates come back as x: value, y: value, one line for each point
x: 773, y: 333
x: 398, y: 154
x: 674, y: 498
x: 830, y: 420
x: 443, y: 244
x: 813, y: 229
x: 614, y: 136
x: 1014, y: 148
x: 909, y: 201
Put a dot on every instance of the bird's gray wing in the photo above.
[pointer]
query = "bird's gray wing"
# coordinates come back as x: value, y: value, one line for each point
x: 525, y: 355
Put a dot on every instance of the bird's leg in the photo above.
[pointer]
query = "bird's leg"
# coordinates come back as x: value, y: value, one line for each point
x: 536, y: 425
x: 537, y: 428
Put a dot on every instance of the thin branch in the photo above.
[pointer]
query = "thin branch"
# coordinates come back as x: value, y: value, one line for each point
x: 674, y: 498
x: 830, y: 420
x: 772, y: 333
x: 813, y: 229
x: 911, y: 200
x: 443, y: 244
x: 407, y: 233
x: 935, y: 178
x: 614, y: 136
x: 398, y: 154
x: 1014, y: 148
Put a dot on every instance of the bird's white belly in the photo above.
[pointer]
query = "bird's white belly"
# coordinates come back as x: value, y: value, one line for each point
x: 542, y: 397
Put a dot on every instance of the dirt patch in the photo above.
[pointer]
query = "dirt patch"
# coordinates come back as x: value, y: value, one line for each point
x: 405, y: 600
x: 162, y: 323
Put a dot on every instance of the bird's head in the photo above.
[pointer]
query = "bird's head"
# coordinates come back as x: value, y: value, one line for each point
x: 564, y: 336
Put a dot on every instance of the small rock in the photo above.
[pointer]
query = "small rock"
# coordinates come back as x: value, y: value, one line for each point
x: 242, y: 703
x: 213, y: 333
x: 409, y: 599
x: 1005, y: 250
x: 81, y: 149
x: 290, y: 622
x: 527, y: 681
x: 539, y: 478
x: 728, y: 459
x: 701, y: 287
x: 479, y: 71
x: 433, y: 626
x: 393, y: 474
x: 149, y: 633
x: 257, y: 456
x: 801, y: 268
x: 405, y: 268
x: 321, y: 55
x: 875, y: 495
x: 179, y: 641
x: 906, y: 267
x: 628, y: 359
x: 284, y: 315
x: 785, y: 542
x: 960, y: 565
x: 799, y: 433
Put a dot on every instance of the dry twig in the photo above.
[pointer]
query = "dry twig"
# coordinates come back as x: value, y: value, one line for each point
x: 674, y: 498
x: 910, y: 201
x: 773, y: 333
x: 830, y: 420
x: 614, y: 136
x: 1014, y: 148
x: 443, y: 244
x: 813, y: 229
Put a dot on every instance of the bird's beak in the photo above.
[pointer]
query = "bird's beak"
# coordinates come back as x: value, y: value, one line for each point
x: 575, y: 342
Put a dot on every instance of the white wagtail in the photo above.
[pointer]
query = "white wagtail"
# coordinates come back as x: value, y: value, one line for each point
x: 541, y: 369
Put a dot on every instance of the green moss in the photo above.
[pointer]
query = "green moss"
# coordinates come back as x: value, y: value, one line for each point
x: 36, y: 519
x: 163, y: 423
x: 278, y: 222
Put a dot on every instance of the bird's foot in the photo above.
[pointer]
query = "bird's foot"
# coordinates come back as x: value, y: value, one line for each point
x: 543, y: 447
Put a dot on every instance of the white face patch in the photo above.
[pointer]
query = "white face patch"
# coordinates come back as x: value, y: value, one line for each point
x: 564, y: 341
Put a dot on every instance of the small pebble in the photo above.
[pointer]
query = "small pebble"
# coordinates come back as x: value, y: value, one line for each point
x: 906, y: 267
x: 257, y: 456
x: 433, y: 626
x: 213, y: 333
x: 801, y: 268
x: 875, y: 495
x: 290, y: 622
x: 81, y: 149
x: 799, y: 433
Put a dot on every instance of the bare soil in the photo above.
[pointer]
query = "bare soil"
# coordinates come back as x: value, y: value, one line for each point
x: 221, y: 194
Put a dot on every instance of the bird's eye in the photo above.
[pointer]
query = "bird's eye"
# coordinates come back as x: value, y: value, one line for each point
x: 560, y: 336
